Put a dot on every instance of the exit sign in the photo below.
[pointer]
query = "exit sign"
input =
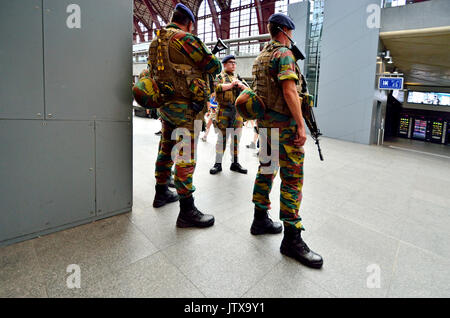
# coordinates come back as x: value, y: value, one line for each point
x: 390, y: 83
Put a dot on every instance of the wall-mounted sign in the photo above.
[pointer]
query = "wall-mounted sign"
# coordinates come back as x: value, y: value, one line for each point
x: 390, y: 83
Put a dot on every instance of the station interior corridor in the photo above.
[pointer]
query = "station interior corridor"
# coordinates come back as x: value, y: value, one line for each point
x: 367, y: 210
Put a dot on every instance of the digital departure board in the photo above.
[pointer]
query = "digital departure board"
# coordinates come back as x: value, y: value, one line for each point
x: 429, y: 98
x: 404, y: 126
x: 420, y: 129
x: 437, y: 130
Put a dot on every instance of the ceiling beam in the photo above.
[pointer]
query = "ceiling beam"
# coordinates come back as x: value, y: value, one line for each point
x: 215, y: 18
x: 259, y: 15
x: 225, y: 24
x: 267, y: 8
x: 140, y: 15
x: 145, y: 23
x: 148, y: 27
x: 152, y: 13
x: 138, y: 29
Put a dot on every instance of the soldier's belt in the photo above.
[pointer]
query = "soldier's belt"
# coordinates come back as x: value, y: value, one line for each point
x: 281, y: 124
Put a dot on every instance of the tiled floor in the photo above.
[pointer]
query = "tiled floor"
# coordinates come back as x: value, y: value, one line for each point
x: 367, y: 210
x: 436, y: 149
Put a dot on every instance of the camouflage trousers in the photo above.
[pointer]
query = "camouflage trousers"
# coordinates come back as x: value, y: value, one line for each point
x: 290, y: 164
x: 227, y: 119
x: 179, y: 150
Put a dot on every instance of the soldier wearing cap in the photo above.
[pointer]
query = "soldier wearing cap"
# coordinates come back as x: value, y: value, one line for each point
x: 228, y: 121
x: 277, y: 82
x: 179, y: 62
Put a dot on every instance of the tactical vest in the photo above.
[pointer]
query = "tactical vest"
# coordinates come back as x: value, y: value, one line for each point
x: 169, y: 66
x: 226, y: 97
x: 265, y: 85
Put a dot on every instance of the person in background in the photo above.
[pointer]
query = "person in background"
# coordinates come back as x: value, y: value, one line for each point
x: 255, y: 143
x: 212, y: 108
x: 228, y: 87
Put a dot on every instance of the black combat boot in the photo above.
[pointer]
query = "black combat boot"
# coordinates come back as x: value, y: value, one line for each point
x: 294, y: 246
x: 216, y: 169
x: 163, y: 196
x: 190, y: 216
x: 235, y: 166
x: 262, y: 224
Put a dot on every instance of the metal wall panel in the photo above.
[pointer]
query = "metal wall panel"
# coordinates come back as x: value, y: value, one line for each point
x: 113, y: 166
x: 88, y: 70
x: 347, y: 71
x: 423, y: 15
x: 21, y: 70
x: 47, y: 175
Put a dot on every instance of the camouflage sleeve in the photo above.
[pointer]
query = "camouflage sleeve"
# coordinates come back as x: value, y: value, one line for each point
x: 285, y: 67
x: 218, y: 84
x: 193, y: 47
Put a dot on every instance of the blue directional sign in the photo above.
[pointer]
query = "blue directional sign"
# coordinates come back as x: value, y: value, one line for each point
x: 390, y: 83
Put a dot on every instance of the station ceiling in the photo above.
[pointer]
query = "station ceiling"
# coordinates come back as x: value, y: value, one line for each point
x: 422, y: 55
x: 147, y: 10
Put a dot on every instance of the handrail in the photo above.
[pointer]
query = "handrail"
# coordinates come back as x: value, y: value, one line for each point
x: 246, y: 39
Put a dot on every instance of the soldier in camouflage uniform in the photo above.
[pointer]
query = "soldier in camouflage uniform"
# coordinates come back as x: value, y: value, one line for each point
x: 277, y: 81
x: 227, y: 88
x: 179, y: 63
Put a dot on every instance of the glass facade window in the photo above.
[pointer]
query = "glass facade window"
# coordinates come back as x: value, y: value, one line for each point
x: 282, y: 5
x: 243, y: 14
x: 312, y: 64
x: 243, y: 20
x: 243, y: 23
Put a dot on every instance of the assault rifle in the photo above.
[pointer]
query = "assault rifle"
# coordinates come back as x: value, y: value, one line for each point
x: 307, y: 100
x: 220, y: 46
x: 310, y: 120
x: 243, y: 81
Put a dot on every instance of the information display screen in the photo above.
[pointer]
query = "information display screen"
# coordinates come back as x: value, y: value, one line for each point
x: 420, y: 129
x: 429, y: 98
x: 404, y: 126
x: 436, y: 130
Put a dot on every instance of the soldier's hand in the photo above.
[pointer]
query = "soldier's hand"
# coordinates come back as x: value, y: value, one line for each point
x: 300, y: 139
